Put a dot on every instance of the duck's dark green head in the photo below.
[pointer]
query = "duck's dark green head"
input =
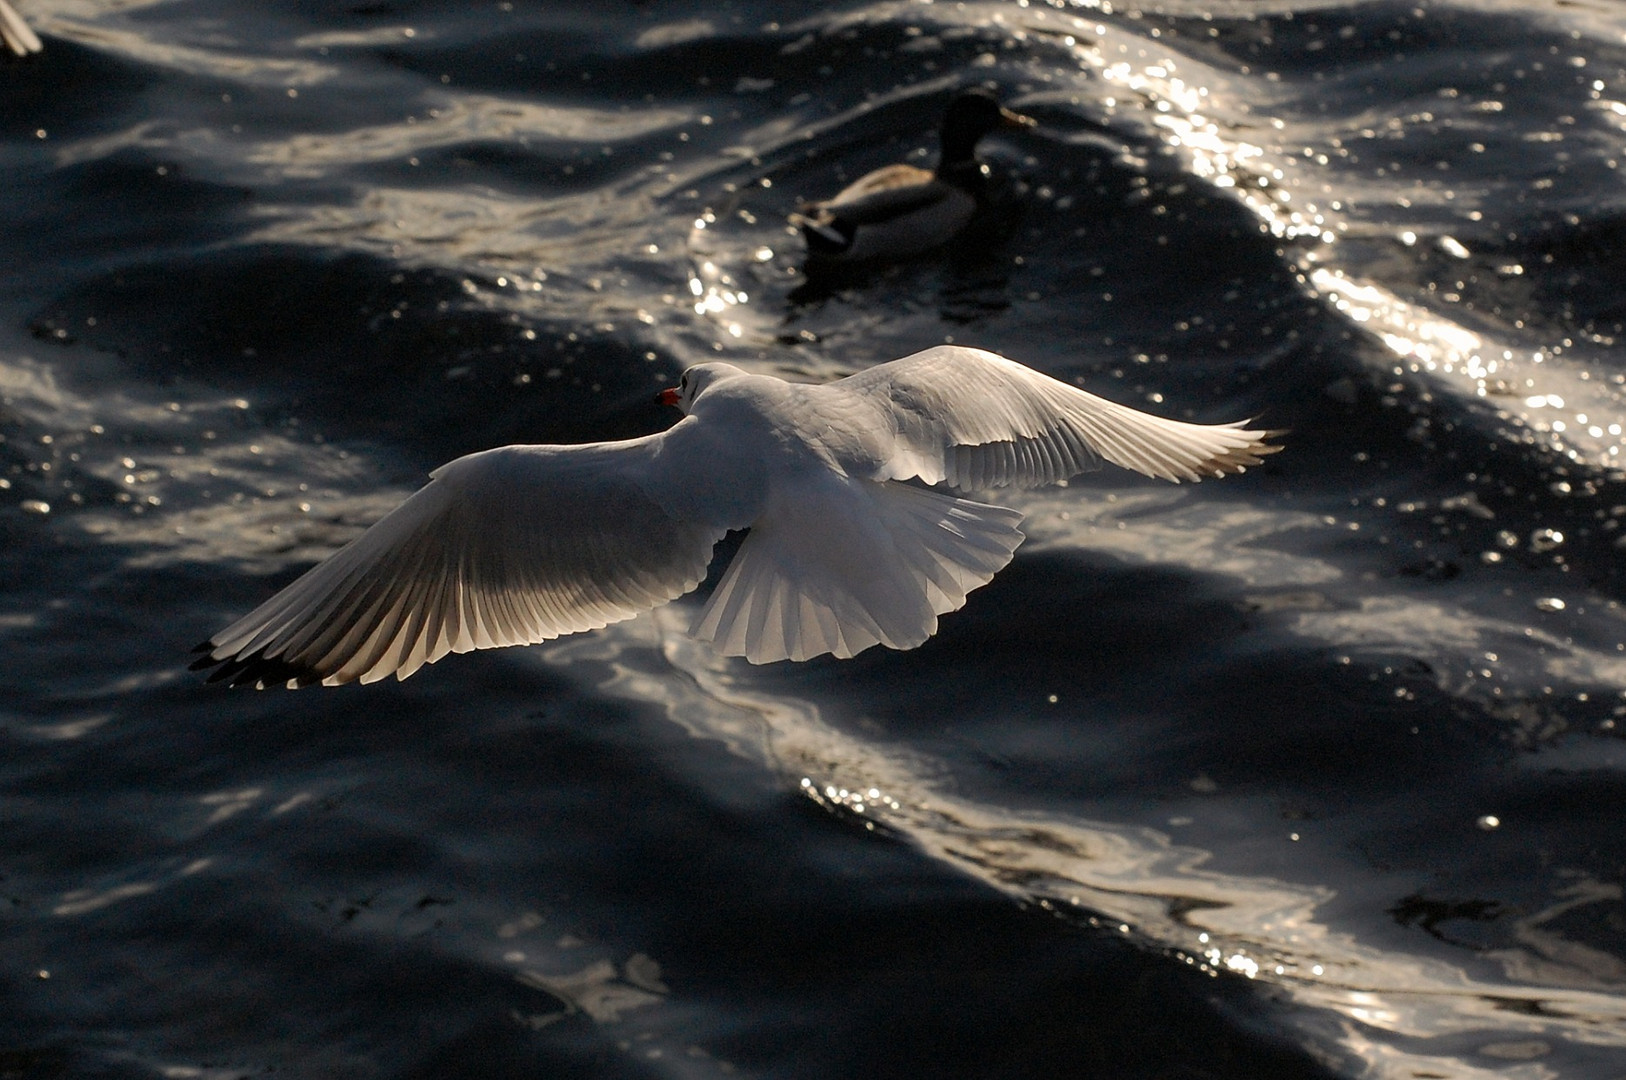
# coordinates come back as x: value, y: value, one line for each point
x: 970, y: 116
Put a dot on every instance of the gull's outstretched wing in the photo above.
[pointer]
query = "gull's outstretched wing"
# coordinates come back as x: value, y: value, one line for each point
x: 15, y: 33
x: 509, y: 546
x: 972, y: 419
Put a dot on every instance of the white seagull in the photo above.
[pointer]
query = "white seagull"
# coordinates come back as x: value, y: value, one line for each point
x: 848, y: 546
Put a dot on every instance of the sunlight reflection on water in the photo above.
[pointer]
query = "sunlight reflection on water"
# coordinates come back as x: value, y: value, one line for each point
x: 1397, y: 1005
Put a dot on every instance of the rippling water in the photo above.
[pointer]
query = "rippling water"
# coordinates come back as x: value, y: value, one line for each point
x: 1315, y: 771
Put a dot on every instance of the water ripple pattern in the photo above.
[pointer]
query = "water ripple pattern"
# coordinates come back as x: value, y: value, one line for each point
x: 1315, y: 772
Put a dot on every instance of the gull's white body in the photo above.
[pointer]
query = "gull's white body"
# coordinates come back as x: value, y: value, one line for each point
x: 15, y: 34
x: 846, y: 549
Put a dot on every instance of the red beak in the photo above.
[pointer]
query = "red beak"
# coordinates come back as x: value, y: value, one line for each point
x: 669, y: 396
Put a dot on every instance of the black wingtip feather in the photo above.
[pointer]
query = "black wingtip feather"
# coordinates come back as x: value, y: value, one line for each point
x: 256, y: 670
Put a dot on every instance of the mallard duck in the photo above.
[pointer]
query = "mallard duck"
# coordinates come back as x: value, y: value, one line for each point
x: 15, y: 33
x: 902, y: 210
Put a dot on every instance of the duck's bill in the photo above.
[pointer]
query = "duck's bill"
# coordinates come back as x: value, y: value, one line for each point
x: 1016, y: 120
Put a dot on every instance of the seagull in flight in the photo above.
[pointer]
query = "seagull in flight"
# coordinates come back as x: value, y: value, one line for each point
x: 859, y: 535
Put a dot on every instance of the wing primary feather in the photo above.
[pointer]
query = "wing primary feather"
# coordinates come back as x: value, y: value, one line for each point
x: 288, y: 635
x: 420, y: 633
x: 328, y: 649
x: 371, y: 639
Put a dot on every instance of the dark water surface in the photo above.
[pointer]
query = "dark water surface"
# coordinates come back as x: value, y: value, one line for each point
x: 1316, y: 771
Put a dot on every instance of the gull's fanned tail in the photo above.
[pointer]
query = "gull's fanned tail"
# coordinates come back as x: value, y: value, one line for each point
x: 842, y: 564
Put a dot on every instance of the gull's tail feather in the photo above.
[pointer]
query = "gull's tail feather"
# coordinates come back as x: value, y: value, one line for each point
x: 844, y: 564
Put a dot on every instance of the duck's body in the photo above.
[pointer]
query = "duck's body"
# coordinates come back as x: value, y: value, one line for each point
x: 899, y: 211
x: 895, y: 212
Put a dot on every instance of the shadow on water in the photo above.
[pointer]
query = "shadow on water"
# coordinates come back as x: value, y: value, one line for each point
x: 70, y: 89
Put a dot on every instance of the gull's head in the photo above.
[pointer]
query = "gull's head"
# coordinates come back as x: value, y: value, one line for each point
x: 694, y: 383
